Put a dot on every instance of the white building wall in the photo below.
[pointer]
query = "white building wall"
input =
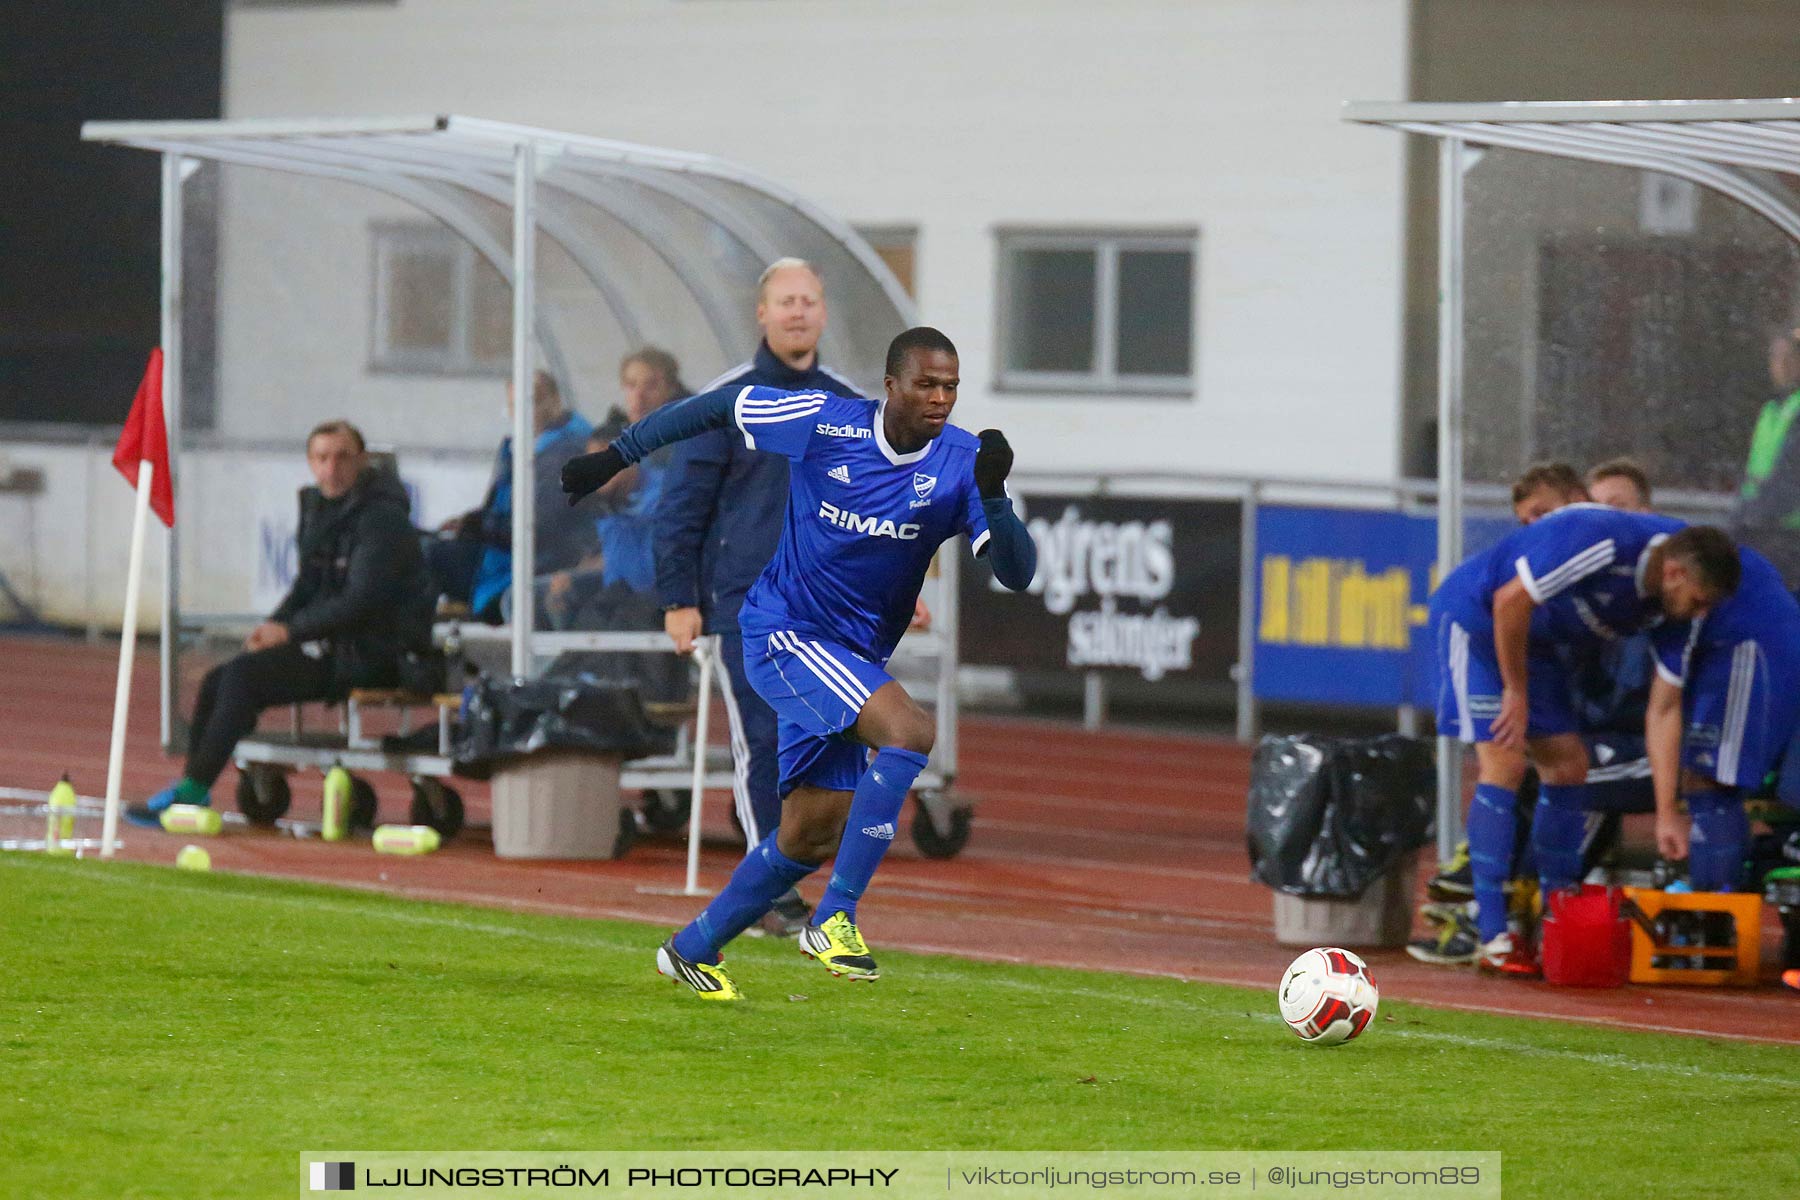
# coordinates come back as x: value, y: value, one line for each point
x: 953, y: 117
x: 956, y: 118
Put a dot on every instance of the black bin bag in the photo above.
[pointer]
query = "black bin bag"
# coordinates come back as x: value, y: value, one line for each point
x: 507, y: 719
x: 1329, y: 816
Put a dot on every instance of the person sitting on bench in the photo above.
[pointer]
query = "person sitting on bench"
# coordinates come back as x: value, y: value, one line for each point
x: 361, y: 601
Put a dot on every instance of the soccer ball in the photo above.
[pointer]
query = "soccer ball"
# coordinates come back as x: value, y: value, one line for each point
x: 1328, y: 996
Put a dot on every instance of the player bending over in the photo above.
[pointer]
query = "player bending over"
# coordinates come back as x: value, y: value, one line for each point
x: 1581, y: 576
x: 874, y: 490
x: 1723, y: 707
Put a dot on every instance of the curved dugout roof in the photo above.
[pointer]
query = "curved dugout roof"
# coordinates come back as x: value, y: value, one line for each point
x: 712, y: 226
x: 1717, y: 144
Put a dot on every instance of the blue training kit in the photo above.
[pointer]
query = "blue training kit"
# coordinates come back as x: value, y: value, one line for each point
x: 1583, y: 565
x: 1738, y: 666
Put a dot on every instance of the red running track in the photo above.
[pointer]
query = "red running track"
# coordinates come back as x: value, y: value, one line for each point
x: 1116, y: 850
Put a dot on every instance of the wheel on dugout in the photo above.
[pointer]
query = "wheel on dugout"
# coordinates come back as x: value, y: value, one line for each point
x: 941, y: 824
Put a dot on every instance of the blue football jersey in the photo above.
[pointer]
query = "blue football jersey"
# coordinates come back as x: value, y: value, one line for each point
x: 1761, y: 610
x: 863, y: 520
x: 1583, y: 564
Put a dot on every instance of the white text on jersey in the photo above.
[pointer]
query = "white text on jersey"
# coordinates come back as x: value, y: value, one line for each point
x: 867, y: 525
x: 843, y: 431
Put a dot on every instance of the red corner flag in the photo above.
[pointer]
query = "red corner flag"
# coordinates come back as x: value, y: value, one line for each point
x: 146, y: 438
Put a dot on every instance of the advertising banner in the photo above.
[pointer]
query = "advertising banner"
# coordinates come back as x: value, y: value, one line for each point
x: 1144, y: 586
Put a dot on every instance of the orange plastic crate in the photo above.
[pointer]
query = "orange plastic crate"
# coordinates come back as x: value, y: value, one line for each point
x: 1737, y: 965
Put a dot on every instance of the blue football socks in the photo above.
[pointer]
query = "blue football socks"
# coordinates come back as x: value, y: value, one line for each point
x: 1558, y: 828
x: 869, y: 831
x: 1493, y: 817
x: 1721, y: 835
x: 757, y: 883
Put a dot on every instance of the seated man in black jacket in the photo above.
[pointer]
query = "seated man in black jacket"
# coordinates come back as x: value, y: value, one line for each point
x: 361, y: 600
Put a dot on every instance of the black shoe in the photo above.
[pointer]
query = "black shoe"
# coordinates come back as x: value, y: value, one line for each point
x: 785, y: 918
x: 1455, y: 880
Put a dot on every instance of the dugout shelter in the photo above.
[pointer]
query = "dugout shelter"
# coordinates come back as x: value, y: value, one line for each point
x: 1745, y: 150
x: 403, y: 272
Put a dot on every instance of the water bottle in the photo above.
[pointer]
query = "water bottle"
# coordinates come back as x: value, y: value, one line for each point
x: 471, y: 681
x: 454, y: 663
x: 1695, y: 927
x: 334, y: 821
x: 191, y: 818
x: 59, y: 818
x: 1663, y: 874
x: 1664, y: 932
x: 406, y: 839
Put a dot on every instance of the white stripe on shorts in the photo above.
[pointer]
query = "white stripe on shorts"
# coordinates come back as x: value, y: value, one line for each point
x: 848, y: 677
x: 1737, y: 711
x: 1459, y: 680
x: 787, y: 641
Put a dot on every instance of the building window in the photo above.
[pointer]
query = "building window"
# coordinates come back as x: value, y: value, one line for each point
x: 1109, y: 312
x: 896, y: 245
x: 440, y: 308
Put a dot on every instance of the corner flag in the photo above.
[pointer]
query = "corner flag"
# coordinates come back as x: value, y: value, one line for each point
x: 146, y: 438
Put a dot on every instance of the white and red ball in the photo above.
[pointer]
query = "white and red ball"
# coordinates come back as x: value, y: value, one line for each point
x: 1328, y: 996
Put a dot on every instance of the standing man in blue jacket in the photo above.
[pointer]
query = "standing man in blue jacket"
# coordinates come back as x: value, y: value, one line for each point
x: 717, y: 526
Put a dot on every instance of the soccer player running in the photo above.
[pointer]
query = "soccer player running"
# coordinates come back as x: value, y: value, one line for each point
x: 1579, y: 577
x: 874, y: 489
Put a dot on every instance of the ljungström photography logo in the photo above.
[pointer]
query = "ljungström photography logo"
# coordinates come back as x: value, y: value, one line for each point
x: 333, y: 1177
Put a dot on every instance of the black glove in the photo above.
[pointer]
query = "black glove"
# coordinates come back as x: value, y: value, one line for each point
x: 993, y: 463
x: 588, y: 473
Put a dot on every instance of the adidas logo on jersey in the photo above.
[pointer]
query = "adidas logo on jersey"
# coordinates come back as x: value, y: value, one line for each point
x: 841, y: 472
x: 885, y: 527
x: 843, y: 431
x: 884, y: 831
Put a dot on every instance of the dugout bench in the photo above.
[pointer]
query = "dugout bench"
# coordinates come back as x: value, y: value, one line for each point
x: 940, y: 827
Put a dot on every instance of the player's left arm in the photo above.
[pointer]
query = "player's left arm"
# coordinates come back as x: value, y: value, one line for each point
x: 998, y: 532
x: 769, y: 419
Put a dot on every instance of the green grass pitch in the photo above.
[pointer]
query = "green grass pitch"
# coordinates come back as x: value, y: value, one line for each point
x: 164, y: 1033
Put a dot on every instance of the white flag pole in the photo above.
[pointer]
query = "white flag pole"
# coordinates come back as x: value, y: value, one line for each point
x: 115, y: 761
x: 705, y: 649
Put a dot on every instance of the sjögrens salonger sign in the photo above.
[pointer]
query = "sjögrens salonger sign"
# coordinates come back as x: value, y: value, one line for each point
x: 1139, y: 585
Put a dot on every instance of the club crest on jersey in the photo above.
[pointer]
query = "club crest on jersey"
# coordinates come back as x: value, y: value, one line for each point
x: 923, y: 484
x: 884, y: 527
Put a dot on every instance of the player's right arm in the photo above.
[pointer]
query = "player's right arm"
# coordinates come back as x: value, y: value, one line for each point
x: 1662, y: 746
x: 1673, y: 643
x: 768, y: 418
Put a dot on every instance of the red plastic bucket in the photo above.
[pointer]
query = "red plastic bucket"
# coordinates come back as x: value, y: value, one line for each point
x: 1587, y: 940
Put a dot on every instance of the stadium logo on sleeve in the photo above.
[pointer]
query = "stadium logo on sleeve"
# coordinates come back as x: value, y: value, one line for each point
x: 923, y: 484
x: 333, y: 1177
